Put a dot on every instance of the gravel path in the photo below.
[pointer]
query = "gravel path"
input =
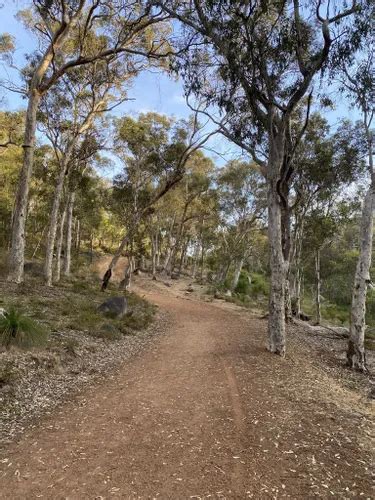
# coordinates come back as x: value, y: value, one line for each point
x: 204, y: 413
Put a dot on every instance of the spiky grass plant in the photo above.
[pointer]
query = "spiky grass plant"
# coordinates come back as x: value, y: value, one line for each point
x: 19, y: 330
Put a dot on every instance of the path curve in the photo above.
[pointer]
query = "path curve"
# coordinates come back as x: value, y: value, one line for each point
x: 205, y: 413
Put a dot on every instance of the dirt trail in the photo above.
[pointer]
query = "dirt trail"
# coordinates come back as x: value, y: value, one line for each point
x: 206, y: 413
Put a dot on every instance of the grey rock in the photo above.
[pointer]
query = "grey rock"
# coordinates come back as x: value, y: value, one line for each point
x: 114, y: 306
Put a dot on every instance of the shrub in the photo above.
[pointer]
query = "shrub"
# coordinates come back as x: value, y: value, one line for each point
x: 259, y: 285
x: 243, y: 286
x: 21, y: 331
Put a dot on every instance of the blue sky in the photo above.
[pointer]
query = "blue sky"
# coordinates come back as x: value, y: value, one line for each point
x: 151, y: 91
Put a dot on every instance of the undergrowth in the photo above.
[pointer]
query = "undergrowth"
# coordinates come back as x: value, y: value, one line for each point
x: 17, y: 329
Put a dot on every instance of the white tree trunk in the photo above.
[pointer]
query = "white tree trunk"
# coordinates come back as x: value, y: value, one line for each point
x: 236, y: 275
x: 17, y: 245
x: 59, y: 244
x: 78, y: 236
x: 68, y: 240
x: 276, y: 321
x: 54, y: 217
x: 195, y: 260
x: 356, y: 351
x: 318, y: 288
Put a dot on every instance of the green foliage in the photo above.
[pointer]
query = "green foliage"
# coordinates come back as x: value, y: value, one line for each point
x: 19, y: 330
x: 243, y: 286
x: 259, y: 285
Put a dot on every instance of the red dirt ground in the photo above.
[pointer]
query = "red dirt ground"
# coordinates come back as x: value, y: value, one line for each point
x: 206, y: 413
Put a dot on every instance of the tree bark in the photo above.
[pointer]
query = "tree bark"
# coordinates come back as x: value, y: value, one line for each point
x: 68, y: 240
x: 356, y: 350
x: 54, y: 216
x: 78, y: 236
x: 39, y: 242
x: 183, y: 255
x: 236, y: 275
x: 276, y: 320
x: 318, y: 288
x: 195, y: 260
x: 16, y: 256
x: 154, y: 252
x: 202, y: 260
x: 59, y: 244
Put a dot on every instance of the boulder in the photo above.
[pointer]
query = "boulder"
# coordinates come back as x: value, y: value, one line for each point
x: 114, y: 306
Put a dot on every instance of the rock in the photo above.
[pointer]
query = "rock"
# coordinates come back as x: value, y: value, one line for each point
x: 174, y: 276
x: 228, y: 293
x: 114, y: 306
x: 190, y: 289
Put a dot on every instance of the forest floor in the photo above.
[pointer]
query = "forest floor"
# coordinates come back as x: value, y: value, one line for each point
x: 204, y: 412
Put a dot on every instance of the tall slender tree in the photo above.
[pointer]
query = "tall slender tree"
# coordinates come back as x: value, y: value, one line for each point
x: 359, y: 83
x: 257, y: 61
x: 70, y: 34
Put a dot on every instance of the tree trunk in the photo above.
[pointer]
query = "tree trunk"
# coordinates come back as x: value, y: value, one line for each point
x: 276, y: 321
x: 182, y: 257
x: 157, y: 250
x: 78, y: 236
x: 236, y: 275
x: 54, y: 216
x: 68, y: 240
x: 297, y: 293
x: 59, y: 244
x: 153, y: 256
x: 202, y: 260
x: 39, y: 242
x: 356, y: 350
x: 318, y: 288
x: 195, y: 260
x: 17, y: 247
x: 169, y: 256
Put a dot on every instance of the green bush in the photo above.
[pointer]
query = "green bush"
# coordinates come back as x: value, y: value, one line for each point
x: 20, y: 330
x: 335, y: 313
x: 259, y: 285
x: 243, y: 286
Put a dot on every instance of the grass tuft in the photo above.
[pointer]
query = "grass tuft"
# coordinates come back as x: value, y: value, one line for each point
x: 19, y: 330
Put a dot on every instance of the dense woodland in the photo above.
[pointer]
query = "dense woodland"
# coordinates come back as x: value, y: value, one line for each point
x: 285, y: 226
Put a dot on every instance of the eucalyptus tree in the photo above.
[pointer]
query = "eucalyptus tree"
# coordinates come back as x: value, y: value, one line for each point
x: 70, y: 35
x: 155, y: 154
x: 325, y: 166
x: 242, y: 202
x: 192, y: 192
x: 68, y: 114
x: 256, y: 61
x: 359, y: 84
